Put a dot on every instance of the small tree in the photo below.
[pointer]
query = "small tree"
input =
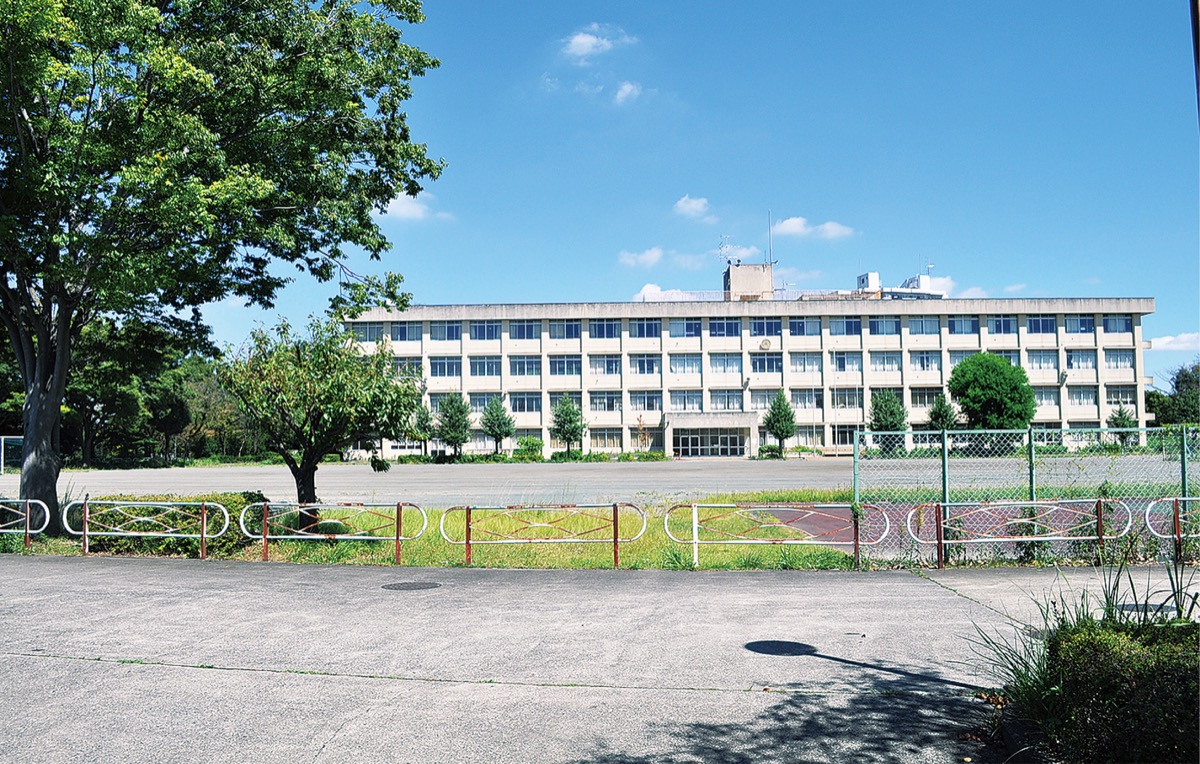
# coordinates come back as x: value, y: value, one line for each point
x: 423, y: 427
x: 317, y: 394
x: 454, y: 423
x: 780, y: 419
x: 992, y: 393
x: 567, y: 423
x: 941, y: 415
x: 1122, y: 419
x: 497, y: 422
x: 888, y: 416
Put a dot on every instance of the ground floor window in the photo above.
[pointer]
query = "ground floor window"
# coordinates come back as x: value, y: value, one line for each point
x: 810, y: 435
x: 843, y: 434
x: 711, y: 441
x: 606, y: 438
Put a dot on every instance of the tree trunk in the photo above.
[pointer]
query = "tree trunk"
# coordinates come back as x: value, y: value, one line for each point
x: 40, y: 464
x: 305, y: 475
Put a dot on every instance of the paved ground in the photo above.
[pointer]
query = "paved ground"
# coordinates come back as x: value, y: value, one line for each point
x: 157, y: 660
x: 444, y: 485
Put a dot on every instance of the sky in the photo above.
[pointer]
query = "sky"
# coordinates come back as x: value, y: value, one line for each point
x: 599, y: 151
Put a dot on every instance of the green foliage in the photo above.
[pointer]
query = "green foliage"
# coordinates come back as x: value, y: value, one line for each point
x: 577, y: 456
x: 1181, y: 404
x: 1121, y: 419
x: 941, y: 415
x: 992, y: 393
x: 768, y: 451
x: 229, y: 544
x: 454, y: 423
x: 497, y: 422
x: 888, y: 416
x: 422, y: 427
x: 567, y: 423
x: 529, y: 449
x: 316, y: 394
x: 643, y: 456
x: 780, y: 419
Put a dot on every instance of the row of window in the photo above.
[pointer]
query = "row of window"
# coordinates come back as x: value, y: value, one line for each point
x: 610, y: 328
x: 760, y: 363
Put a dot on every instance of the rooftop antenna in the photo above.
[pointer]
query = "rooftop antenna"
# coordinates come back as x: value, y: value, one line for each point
x: 770, y: 258
x: 723, y: 250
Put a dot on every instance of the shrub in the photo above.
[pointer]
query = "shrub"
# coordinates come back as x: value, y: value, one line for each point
x: 529, y: 449
x: 643, y: 456
x: 770, y: 451
x: 226, y: 545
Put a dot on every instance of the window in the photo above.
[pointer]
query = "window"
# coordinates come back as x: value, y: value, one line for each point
x: 925, y: 360
x: 845, y: 325
x: 645, y: 327
x: 485, y: 330
x: 687, y: 400
x: 406, y: 331
x: 604, y: 328
x: 1081, y: 359
x: 368, y: 331
x: 1002, y: 325
x: 1118, y: 359
x: 525, y: 403
x: 684, y: 327
x: 766, y: 327
x: 485, y: 366
x: 1118, y: 324
x: 725, y: 400
x: 811, y: 435
x: 645, y: 400
x: 1082, y: 395
x: 1043, y: 360
x: 445, y: 366
x: 963, y: 324
x: 525, y: 329
x: 923, y: 397
x: 645, y: 363
x: 847, y: 397
x: 846, y: 361
x: 1120, y: 395
x: 725, y: 363
x: 885, y: 360
x: 1045, y: 396
x: 565, y: 329
x: 605, y: 401
x: 480, y: 401
x: 1080, y: 324
x: 406, y: 365
x: 804, y: 327
x: 925, y: 325
x: 436, y: 400
x: 806, y: 363
x: 844, y: 434
x: 958, y: 356
x: 725, y: 327
x: 1012, y: 356
x: 566, y: 366
x: 606, y: 438
x: 808, y: 398
x: 883, y: 325
x: 1040, y: 325
x: 685, y: 363
x: 576, y: 398
x: 525, y: 365
x: 766, y: 363
x: 445, y: 330
x: 605, y: 365
x: 760, y: 400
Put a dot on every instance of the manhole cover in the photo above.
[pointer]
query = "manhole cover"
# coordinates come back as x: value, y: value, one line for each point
x: 780, y: 647
x: 411, y: 586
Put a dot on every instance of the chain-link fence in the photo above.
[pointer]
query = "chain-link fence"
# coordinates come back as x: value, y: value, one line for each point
x: 11, y: 452
x: 1033, y: 494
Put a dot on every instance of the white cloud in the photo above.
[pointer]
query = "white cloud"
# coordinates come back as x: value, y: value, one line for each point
x: 626, y: 92
x: 1092, y: 281
x: 408, y: 208
x: 738, y: 252
x: 793, y: 276
x: 594, y: 40
x: 1189, y: 341
x: 1012, y: 288
x: 549, y: 84
x: 655, y: 293
x: 798, y: 226
x: 691, y: 262
x: 972, y: 293
x: 694, y: 208
x: 950, y: 287
x: 588, y: 88
x: 646, y: 259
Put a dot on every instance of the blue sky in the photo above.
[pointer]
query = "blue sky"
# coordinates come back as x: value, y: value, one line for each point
x: 596, y: 150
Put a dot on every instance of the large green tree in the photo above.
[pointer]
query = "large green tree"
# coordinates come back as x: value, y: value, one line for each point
x: 497, y: 422
x: 316, y: 394
x: 454, y: 422
x: 156, y: 156
x: 566, y: 423
x: 889, y: 416
x: 992, y: 394
x: 780, y: 419
x: 1180, y: 404
x: 941, y: 414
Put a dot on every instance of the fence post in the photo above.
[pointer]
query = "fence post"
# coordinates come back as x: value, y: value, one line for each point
x: 945, y: 469
x: 85, y: 523
x: 855, y: 509
x: 1032, y: 469
x: 399, y: 528
x: 1183, y: 460
x: 468, y: 537
x: 695, y: 536
x: 28, y: 507
x: 1178, y: 526
x: 203, y: 530
x: 266, y: 516
x: 1100, y: 523
x: 941, y: 538
x: 616, y: 538
x: 857, y: 437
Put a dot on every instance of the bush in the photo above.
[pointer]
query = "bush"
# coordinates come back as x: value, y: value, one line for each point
x: 529, y: 449
x: 643, y: 456
x: 576, y: 456
x: 770, y: 452
x: 226, y: 545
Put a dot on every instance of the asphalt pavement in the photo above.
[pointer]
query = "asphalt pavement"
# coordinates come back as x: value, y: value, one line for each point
x: 163, y: 660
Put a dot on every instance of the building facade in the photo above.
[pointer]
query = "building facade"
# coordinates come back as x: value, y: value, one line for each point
x: 694, y: 376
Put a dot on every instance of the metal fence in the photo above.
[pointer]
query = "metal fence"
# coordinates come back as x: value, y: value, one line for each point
x: 1029, y: 494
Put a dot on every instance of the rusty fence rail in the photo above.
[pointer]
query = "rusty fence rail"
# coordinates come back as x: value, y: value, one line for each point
x: 780, y: 524
x: 16, y: 516
x: 1180, y: 513
x: 544, y: 524
x: 289, y: 521
x: 145, y: 519
x: 1017, y: 522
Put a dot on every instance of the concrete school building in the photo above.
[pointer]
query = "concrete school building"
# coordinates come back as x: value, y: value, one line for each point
x: 693, y: 373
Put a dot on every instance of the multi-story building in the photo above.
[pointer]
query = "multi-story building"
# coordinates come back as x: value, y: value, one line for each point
x: 694, y: 375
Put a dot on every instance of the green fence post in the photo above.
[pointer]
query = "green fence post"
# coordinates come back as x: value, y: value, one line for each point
x: 1032, y: 469
x: 856, y: 455
x: 1183, y: 459
x: 945, y: 467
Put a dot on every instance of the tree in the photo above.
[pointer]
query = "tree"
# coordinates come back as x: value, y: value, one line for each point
x: 1122, y: 419
x: 316, y: 394
x: 941, y: 415
x: 454, y: 423
x: 567, y: 423
x: 159, y: 156
x: 992, y: 393
x: 423, y: 427
x: 497, y: 422
x: 780, y: 419
x: 1181, y: 404
x: 888, y: 416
